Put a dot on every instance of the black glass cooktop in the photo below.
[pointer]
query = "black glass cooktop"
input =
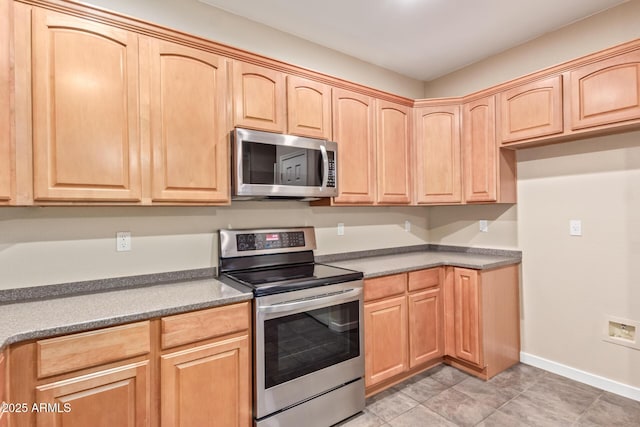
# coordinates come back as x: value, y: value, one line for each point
x: 266, y: 281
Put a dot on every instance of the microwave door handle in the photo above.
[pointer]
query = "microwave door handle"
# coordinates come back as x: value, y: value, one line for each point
x: 310, y: 303
x: 325, y: 166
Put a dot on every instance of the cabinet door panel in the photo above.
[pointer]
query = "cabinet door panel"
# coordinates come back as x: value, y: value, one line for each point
x: 467, y: 316
x: 189, y: 135
x: 353, y: 131
x: 208, y: 385
x: 606, y: 91
x: 85, y: 110
x: 480, y: 151
x: 116, y: 397
x: 392, y: 148
x: 532, y: 110
x: 385, y: 339
x: 425, y: 327
x: 259, y: 97
x: 7, y: 172
x: 438, y: 175
x: 308, y: 108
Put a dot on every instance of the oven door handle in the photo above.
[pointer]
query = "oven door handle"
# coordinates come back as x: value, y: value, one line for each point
x: 311, y: 303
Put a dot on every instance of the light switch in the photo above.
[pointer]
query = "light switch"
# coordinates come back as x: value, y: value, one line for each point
x: 340, y: 229
x: 575, y: 227
x: 484, y: 226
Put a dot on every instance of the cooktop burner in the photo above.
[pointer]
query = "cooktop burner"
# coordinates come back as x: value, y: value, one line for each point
x: 265, y: 281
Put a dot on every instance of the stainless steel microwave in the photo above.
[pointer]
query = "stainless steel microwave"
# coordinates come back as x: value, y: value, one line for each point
x: 272, y: 165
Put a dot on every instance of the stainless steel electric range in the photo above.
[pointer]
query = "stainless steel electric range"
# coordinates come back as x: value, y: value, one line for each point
x: 308, y: 340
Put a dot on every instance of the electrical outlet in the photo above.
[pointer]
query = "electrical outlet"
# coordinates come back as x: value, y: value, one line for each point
x: 123, y: 241
x: 340, y: 229
x: 484, y: 226
x: 575, y: 227
x: 407, y: 225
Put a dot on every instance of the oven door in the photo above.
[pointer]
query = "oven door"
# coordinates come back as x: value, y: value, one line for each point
x: 307, y: 343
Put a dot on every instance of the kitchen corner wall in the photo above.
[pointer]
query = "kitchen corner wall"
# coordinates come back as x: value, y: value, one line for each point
x: 42, y: 246
x: 568, y: 284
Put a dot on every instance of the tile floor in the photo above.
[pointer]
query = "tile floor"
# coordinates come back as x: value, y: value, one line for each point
x: 520, y: 396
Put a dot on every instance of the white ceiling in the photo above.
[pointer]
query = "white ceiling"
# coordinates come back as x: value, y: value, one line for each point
x: 422, y: 39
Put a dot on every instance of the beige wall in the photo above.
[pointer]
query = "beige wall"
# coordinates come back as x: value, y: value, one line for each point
x: 606, y: 29
x: 458, y: 226
x: 194, y: 17
x: 570, y: 284
x: 41, y: 246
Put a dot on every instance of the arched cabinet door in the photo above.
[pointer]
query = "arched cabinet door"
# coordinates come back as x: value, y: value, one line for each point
x: 606, y: 92
x: 86, y: 143
x: 438, y: 174
x: 480, y: 150
x: 353, y: 130
x: 308, y: 108
x: 393, y: 136
x: 259, y: 97
x: 188, y: 125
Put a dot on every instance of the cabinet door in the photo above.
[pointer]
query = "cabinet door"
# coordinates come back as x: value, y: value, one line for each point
x: 114, y: 397
x: 606, y: 92
x: 259, y: 97
x: 308, y: 108
x: 7, y: 172
x: 208, y: 385
x: 85, y: 110
x: 353, y: 117
x: 393, y: 168
x: 480, y: 150
x: 467, y: 316
x: 438, y: 178
x: 188, y: 125
x: 532, y: 110
x: 385, y: 339
x: 426, y: 341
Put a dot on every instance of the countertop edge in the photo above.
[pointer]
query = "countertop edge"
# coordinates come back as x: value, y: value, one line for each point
x: 119, y: 320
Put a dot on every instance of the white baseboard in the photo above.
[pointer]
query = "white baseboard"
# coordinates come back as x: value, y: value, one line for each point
x: 581, y: 376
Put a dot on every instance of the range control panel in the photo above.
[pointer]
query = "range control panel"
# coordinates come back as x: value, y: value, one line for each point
x: 261, y: 241
x: 244, y: 242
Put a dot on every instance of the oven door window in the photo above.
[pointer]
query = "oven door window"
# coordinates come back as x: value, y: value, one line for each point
x: 302, y: 343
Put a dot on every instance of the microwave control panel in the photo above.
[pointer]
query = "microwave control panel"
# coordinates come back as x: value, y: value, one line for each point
x: 261, y: 241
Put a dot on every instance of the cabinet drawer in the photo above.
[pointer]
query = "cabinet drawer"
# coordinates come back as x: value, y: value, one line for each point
x: 424, y: 279
x: 78, y: 351
x: 386, y: 286
x: 196, y: 326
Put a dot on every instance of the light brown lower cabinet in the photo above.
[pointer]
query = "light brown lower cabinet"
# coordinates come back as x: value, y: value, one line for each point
x: 402, y: 326
x: 482, y: 322
x: 118, y: 396
x: 191, y: 369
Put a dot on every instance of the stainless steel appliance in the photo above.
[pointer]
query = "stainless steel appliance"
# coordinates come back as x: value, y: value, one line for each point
x: 308, y: 317
x: 272, y: 165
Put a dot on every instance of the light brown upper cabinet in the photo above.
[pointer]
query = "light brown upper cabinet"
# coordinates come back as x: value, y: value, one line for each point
x: 489, y: 172
x: 86, y: 143
x: 531, y: 110
x: 308, y: 108
x: 393, y: 142
x: 606, y: 91
x: 353, y: 130
x: 437, y: 161
x: 259, y: 97
x: 188, y: 125
x: 480, y: 150
x: 7, y: 153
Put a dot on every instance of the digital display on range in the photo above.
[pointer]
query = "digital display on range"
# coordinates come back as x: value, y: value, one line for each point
x: 262, y: 241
